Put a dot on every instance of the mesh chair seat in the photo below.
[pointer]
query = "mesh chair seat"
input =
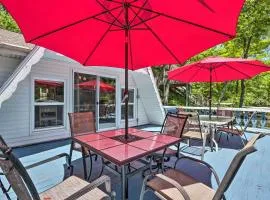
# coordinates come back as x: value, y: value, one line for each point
x: 195, y: 189
x: 70, y: 186
x: 194, y: 135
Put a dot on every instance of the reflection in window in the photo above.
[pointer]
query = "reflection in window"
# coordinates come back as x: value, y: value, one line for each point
x: 107, y: 102
x: 48, y: 104
x: 84, y: 92
x: 131, y: 105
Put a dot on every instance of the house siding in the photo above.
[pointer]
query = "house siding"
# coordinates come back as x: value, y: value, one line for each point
x: 16, y: 114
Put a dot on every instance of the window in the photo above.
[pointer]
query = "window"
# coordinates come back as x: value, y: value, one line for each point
x: 48, y: 104
x: 131, y: 104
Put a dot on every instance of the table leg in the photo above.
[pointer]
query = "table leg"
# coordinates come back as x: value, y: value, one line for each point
x: 84, y: 163
x: 124, y: 183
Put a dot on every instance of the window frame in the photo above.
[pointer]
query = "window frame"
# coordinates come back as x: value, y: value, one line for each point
x: 134, y: 103
x: 34, y: 104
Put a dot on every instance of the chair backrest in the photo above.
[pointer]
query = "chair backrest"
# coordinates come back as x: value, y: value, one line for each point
x: 226, y: 113
x: 16, y: 174
x: 235, y: 166
x: 82, y: 123
x: 193, y: 122
x: 174, y: 125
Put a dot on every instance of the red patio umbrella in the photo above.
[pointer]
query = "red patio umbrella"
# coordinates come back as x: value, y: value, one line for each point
x: 218, y: 69
x: 92, y: 85
x: 128, y: 34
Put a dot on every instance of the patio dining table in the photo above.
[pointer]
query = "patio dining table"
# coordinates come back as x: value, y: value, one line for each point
x: 213, y: 123
x: 108, y: 145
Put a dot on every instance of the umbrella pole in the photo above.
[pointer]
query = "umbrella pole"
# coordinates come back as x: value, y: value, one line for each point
x: 210, y: 96
x: 126, y: 71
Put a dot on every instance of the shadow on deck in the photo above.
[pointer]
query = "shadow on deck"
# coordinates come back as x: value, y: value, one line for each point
x: 251, y: 182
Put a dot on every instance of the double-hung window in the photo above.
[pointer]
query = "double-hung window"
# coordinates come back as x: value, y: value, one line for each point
x: 131, y: 104
x: 48, y: 104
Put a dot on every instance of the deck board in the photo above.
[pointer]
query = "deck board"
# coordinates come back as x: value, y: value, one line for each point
x: 251, y: 182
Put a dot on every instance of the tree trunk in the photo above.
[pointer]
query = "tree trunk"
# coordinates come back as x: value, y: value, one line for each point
x: 166, y: 93
x: 247, y: 43
x: 242, y: 95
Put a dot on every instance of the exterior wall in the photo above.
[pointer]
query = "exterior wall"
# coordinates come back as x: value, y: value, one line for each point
x: 7, y: 66
x: 16, y: 114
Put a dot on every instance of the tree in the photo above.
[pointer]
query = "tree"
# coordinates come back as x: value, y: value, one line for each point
x: 7, y: 22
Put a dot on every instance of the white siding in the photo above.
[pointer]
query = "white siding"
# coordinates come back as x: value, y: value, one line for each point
x: 16, y: 114
x: 7, y: 66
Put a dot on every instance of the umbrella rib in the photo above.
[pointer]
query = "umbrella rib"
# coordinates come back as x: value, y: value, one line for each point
x: 100, y: 40
x: 110, y: 23
x: 142, y: 21
x: 158, y: 38
x: 237, y: 70
x: 138, y: 12
x: 72, y: 24
x: 255, y: 65
x: 190, y: 80
x: 108, y: 11
x: 186, y: 21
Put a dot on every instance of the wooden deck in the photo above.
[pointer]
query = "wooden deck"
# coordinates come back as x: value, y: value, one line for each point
x: 252, y: 181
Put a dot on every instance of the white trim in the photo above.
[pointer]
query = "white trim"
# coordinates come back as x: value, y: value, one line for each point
x: 98, y: 75
x: 20, y: 73
x: 134, y: 104
x: 33, y: 104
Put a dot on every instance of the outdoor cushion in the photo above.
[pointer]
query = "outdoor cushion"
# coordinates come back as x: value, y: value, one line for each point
x: 70, y: 186
x: 195, y: 189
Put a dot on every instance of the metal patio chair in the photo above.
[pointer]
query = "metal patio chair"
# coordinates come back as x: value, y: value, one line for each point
x: 72, y: 188
x: 236, y: 131
x: 193, y: 130
x: 177, y: 185
x: 82, y: 123
x: 173, y: 125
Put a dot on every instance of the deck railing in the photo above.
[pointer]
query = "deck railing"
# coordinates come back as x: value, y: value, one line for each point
x: 259, y: 123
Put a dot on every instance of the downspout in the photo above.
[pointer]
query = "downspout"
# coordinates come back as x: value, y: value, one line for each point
x: 10, y: 86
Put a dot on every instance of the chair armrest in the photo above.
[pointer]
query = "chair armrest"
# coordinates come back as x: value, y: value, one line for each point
x: 175, y: 184
x: 201, y: 162
x: 96, y: 183
x: 49, y: 160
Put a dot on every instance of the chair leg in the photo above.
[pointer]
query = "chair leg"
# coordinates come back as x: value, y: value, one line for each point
x: 84, y: 164
x: 102, y: 167
x: 91, y: 165
x: 70, y: 152
x: 4, y: 190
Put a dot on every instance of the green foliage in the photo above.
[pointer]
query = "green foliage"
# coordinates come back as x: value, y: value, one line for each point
x: 7, y: 22
x: 253, y: 40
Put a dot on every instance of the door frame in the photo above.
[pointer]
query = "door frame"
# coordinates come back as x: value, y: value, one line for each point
x: 117, y: 102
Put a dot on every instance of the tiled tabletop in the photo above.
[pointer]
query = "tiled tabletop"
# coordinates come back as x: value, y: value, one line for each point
x: 119, y: 153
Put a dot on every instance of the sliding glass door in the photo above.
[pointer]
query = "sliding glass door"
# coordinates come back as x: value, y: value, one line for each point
x: 84, y: 92
x: 96, y: 94
x: 107, y: 103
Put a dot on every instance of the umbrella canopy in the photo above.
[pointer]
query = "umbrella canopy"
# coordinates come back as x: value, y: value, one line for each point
x: 92, y: 85
x: 128, y: 34
x: 48, y: 83
x: 92, y: 32
x: 218, y: 69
